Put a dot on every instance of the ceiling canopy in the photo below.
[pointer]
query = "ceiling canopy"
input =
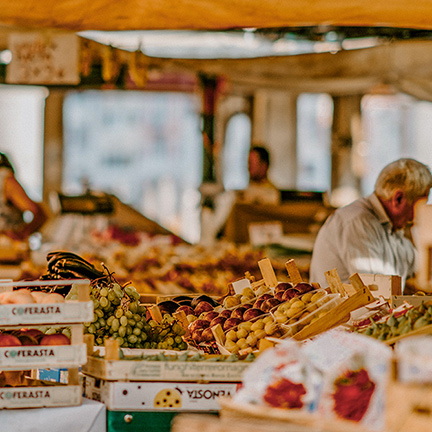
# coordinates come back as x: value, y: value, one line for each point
x: 78, y: 15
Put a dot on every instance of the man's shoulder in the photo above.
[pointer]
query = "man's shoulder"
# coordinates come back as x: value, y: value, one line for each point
x: 358, y: 212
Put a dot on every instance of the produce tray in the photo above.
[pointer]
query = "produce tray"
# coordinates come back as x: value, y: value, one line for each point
x: 48, y: 396
x: 309, y: 306
x: 40, y: 356
x: 182, y: 371
x: 157, y: 396
x: 314, y: 311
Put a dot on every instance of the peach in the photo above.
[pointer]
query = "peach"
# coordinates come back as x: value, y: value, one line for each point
x: 55, y: 339
x: 9, y: 340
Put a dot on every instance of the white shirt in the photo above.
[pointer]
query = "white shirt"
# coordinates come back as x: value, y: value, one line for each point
x: 359, y: 238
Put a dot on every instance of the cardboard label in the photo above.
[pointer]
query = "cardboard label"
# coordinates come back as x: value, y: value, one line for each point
x: 37, y: 397
x: 43, y: 58
x: 49, y: 313
x: 133, y: 370
x: 155, y: 396
x: 36, y: 356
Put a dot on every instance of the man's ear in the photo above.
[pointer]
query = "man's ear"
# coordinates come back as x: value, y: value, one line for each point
x: 398, y: 198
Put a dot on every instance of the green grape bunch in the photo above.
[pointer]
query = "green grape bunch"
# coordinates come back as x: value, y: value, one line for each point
x: 118, y: 314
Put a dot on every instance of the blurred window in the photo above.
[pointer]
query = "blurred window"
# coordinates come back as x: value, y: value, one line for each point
x: 143, y: 147
x: 235, y: 152
x: 314, y: 120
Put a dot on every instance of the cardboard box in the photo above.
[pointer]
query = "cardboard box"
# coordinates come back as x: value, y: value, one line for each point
x: 182, y: 371
x: 414, y: 300
x: 157, y: 396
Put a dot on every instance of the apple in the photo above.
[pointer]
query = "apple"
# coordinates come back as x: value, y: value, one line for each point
x: 208, y: 316
x: 186, y: 309
x: 252, y: 313
x: 207, y: 335
x: 231, y: 322
x: 238, y: 312
x: 303, y: 287
x: 282, y: 286
x: 197, y: 324
x: 9, y: 340
x: 226, y: 313
x: 290, y: 293
x: 202, y: 306
x: 55, y: 339
x: 269, y: 304
x: 218, y: 320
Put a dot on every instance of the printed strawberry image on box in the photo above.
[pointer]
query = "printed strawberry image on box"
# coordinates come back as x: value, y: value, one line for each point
x: 352, y: 395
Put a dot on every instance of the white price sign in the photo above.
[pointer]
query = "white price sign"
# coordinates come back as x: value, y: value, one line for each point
x: 43, y: 58
x: 265, y: 233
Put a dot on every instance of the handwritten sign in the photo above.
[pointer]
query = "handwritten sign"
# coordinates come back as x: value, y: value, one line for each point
x: 43, y: 58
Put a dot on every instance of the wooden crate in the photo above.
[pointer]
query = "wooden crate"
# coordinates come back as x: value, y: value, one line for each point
x: 19, y: 358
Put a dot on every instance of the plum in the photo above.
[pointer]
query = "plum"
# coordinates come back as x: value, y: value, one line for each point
x: 231, y: 322
x: 270, y: 304
x: 283, y: 286
x: 199, y: 323
x: 207, y: 335
x: 279, y: 295
x: 186, y: 309
x: 290, y: 293
x: 258, y: 303
x: 238, y: 312
x: 203, y: 306
x: 226, y: 313
x: 303, y: 287
x: 218, y: 320
x: 252, y: 313
x: 208, y: 316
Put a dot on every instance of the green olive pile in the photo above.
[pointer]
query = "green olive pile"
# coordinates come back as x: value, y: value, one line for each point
x: 118, y: 314
x: 413, y: 319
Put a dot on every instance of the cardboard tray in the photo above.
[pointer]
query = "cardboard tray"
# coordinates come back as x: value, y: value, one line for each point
x: 181, y: 371
x: 157, y: 396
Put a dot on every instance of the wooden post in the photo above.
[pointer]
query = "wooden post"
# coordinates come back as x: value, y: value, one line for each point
x: 267, y: 272
x: 293, y: 272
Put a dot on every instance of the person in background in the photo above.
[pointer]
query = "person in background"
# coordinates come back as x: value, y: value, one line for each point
x: 369, y: 235
x: 260, y: 190
x: 14, y: 202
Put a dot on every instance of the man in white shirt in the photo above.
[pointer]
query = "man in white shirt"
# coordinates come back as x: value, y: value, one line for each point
x: 367, y: 236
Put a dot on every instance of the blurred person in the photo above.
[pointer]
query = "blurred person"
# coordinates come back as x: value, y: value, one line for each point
x: 370, y: 234
x: 260, y: 189
x: 14, y: 202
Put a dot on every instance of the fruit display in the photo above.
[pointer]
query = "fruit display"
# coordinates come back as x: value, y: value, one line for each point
x: 400, y: 323
x: 248, y: 334
x: 299, y: 307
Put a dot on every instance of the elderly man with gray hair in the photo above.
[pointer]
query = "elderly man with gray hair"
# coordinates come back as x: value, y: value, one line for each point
x: 368, y: 236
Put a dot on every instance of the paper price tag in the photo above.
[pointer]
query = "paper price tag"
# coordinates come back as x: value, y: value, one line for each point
x: 240, y: 285
x: 263, y: 233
